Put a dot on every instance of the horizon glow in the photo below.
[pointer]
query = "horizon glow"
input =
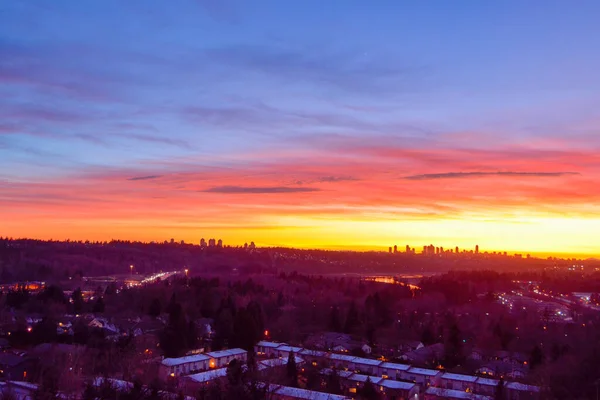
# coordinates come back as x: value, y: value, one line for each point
x: 346, y: 126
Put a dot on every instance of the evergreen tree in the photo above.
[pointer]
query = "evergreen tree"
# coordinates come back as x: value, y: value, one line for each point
x: 292, y: 370
x: 77, y: 301
x: 499, y: 392
x: 155, y: 308
x: 99, y: 306
x: 536, y: 358
x: 368, y: 391
x: 352, y: 319
x: 334, y: 320
x: 333, y: 383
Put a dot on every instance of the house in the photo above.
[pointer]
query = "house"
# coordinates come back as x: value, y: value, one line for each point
x: 285, y: 392
x: 521, y: 391
x: 486, y: 386
x: 434, y: 393
x: 194, y: 381
x: 392, y: 370
x: 314, y: 357
x: 172, y: 367
x: 399, y: 390
x: 103, y: 324
x: 222, y: 358
x: 501, y: 369
x: 367, y: 366
x: 266, y: 348
x: 406, y: 346
x: 328, y: 340
x: 466, y: 383
x: 426, y: 356
x: 340, y: 349
x: 421, y: 376
x: 277, y: 362
x: 285, y: 350
x: 342, y: 362
x: 366, y: 349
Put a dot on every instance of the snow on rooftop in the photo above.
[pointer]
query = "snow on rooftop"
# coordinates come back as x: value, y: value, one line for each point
x: 314, y: 353
x: 521, y: 387
x: 391, y: 384
x: 459, y: 377
x: 366, y: 361
x: 170, y: 362
x: 290, y: 348
x: 363, y: 378
x: 487, y: 381
x: 273, y: 345
x: 423, y: 371
x: 342, y: 357
x: 277, y: 362
x: 298, y: 393
x: 394, y: 366
x: 454, y: 394
x: 208, y: 375
x: 225, y: 353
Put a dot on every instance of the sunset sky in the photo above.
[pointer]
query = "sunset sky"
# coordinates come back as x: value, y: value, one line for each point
x: 330, y: 124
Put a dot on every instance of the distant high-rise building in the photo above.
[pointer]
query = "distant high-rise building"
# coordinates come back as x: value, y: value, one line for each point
x: 219, y: 243
x: 395, y: 248
x: 172, y: 241
x: 477, y: 249
x: 245, y: 245
x: 456, y: 250
x: 252, y: 246
x: 425, y: 249
x: 441, y: 249
x: 390, y: 250
x: 212, y: 242
x: 182, y: 242
x: 407, y: 248
x: 202, y: 242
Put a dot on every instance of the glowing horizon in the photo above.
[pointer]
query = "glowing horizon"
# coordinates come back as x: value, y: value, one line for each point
x: 237, y: 121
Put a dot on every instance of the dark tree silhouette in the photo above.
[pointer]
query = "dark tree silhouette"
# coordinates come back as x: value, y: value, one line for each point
x: 155, y: 308
x: 499, y: 392
x: 369, y: 391
x: 292, y: 370
x: 536, y: 358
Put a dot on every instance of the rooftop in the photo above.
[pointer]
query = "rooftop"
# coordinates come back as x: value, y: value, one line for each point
x: 521, y: 387
x: 277, y: 362
x: 363, y: 378
x: 391, y: 384
x: 342, y: 357
x: 366, y: 361
x: 170, y: 362
x: 264, y: 343
x: 394, y: 366
x: 454, y: 394
x: 226, y: 353
x: 290, y: 348
x: 297, y: 393
x: 459, y: 377
x: 487, y: 381
x: 208, y: 375
x: 423, y: 371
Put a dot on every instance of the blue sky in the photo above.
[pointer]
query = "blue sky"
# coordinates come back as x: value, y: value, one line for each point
x: 147, y: 87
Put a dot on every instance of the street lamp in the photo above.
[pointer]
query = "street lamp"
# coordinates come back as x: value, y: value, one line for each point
x: 131, y: 269
x: 186, y: 272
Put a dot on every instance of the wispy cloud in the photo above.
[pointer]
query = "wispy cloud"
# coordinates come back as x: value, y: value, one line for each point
x: 144, y: 178
x: 454, y: 175
x: 259, y: 190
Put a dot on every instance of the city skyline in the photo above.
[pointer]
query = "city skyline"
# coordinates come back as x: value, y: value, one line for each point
x: 338, y: 127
